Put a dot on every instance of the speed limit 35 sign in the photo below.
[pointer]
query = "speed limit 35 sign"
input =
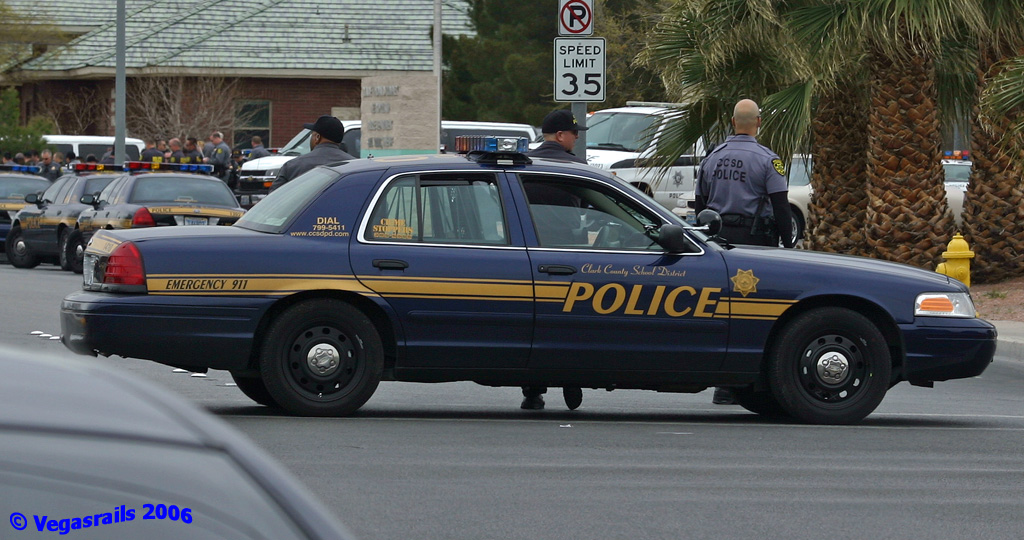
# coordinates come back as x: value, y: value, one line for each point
x: 579, y: 69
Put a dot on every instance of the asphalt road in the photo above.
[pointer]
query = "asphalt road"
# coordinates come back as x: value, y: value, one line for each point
x: 458, y: 460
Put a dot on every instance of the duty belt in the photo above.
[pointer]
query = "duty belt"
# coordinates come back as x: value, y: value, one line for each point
x: 737, y: 220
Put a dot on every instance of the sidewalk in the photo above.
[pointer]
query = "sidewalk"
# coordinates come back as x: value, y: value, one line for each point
x: 1011, y: 339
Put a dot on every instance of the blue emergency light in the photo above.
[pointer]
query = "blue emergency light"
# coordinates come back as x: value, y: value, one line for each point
x: 487, y: 143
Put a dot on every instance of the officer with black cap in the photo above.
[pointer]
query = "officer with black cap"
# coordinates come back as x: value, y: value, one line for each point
x: 560, y: 133
x: 325, y: 145
x: 745, y: 182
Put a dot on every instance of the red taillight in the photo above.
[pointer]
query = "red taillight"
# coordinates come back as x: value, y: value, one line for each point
x: 143, y: 218
x: 124, y: 266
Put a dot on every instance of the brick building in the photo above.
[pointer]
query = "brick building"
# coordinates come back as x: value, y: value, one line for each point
x: 247, y: 66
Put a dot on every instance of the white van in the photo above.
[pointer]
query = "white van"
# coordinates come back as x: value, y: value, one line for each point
x: 96, y: 145
x: 617, y: 139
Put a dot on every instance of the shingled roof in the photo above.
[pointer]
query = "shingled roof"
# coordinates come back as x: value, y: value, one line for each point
x: 246, y: 37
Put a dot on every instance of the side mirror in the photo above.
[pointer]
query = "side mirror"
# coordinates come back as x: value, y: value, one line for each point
x: 88, y: 199
x: 32, y: 198
x: 709, y: 221
x: 671, y: 238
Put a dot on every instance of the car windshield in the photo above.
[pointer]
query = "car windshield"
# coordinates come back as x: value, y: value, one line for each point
x: 298, y: 145
x: 274, y: 213
x: 182, y: 189
x: 16, y: 187
x: 627, y: 132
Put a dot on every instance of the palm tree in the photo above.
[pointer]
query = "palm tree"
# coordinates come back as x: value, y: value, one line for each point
x: 897, y: 40
x: 994, y: 203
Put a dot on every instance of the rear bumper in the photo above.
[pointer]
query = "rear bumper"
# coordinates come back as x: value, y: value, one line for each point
x: 194, y: 332
x: 940, y: 349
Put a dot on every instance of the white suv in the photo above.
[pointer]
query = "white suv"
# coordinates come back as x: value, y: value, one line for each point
x: 617, y: 139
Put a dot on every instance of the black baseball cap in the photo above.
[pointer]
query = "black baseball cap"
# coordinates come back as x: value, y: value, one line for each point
x: 560, y: 120
x: 328, y: 127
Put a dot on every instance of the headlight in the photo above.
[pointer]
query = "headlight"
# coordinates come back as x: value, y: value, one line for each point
x: 944, y: 305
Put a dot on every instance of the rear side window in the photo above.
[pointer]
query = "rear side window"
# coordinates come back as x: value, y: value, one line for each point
x: 439, y: 209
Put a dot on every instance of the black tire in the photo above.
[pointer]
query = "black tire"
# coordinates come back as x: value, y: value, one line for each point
x: 760, y: 402
x: 349, y: 349
x: 62, y: 250
x: 830, y: 366
x: 75, y: 251
x: 798, y: 224
x: 18, y: 253
x: 253, y: 387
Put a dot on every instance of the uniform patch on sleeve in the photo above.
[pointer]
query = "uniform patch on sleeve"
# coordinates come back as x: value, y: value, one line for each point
x: 779, y: 167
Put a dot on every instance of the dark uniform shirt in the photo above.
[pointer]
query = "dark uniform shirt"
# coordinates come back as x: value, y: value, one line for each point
x: 51, y: 172
x: 258, y: 151
x: 554, y: 150
x: 152, y: 154
x: 737, y: 179
x: 324, y: 153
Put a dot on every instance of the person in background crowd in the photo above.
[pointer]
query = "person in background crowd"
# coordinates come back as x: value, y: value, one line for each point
x: 745, y: 183
x: 161, y: 145
x: 59, y: 159
x: 32, y: 157
x: 257, y: 148
x: 152, y: 153
x: 19, y: 159
x: 8, y: 160
x: 325, y: 145
x: 47, y: 168
x: 208, y: 146
x: 192, y: 153
x: 235, y: 167
x: 72, y: 159
x: 177, y: 155
x: 108, y: 156
x: 220, y: 156
x: 91, y: 159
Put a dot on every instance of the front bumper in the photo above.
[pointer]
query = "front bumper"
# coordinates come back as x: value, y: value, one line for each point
x: 191, y: 332
x: 939, y: 349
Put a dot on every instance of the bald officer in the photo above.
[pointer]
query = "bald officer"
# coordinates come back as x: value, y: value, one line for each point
x: 745, y: 182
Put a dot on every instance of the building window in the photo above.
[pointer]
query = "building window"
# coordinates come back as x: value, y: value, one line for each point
x: 251, y: 118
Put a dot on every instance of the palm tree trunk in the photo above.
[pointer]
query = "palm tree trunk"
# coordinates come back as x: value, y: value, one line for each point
x: 994, y: 203
x: 907, y: 218
x: 839, y: 172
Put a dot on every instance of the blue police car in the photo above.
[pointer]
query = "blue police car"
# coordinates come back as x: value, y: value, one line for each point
x: 510, y: 271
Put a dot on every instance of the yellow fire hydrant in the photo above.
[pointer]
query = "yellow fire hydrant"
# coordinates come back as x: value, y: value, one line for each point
x: 958, y: 257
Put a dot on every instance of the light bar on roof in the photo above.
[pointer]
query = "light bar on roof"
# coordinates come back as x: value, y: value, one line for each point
x: 138, y: 166
x: 31, y: 169
x: 486, y: 143
x: 89, y: 167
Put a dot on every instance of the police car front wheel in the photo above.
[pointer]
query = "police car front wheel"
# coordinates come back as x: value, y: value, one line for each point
x: 18, y: 253
x: 830, y: 366
x: 321, y: 358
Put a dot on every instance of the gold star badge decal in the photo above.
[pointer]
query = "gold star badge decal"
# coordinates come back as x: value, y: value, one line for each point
x: 744, y: 282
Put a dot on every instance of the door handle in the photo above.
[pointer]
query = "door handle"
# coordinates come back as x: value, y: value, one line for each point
x: 556, y: 269
x: 390, y: 264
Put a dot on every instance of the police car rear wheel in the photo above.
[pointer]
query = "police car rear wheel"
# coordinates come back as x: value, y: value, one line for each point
x: 74, y: 251
x: 18, y: 252
x: 321, y: 358
x: 830, y: 366
x: 254, y: 388
x: 62, y: 250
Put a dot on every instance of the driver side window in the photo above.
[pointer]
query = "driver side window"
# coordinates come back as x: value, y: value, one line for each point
x: 579, y: 215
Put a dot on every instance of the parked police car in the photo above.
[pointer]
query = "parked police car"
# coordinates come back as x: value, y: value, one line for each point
x: 153, y: 195
x: 16, y: 181
x: 508, y: 271
x: 44, y: 225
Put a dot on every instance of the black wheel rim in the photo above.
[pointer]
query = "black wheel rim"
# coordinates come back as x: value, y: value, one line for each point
x: 833, y: 369
x: 323, y: 363
x: 18, y: 243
